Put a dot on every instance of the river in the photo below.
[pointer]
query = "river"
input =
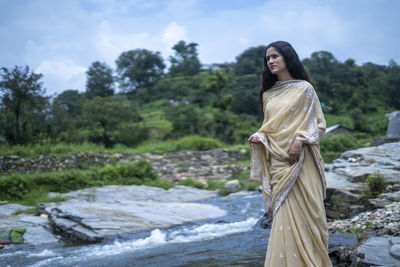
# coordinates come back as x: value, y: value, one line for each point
x: 233, y: 240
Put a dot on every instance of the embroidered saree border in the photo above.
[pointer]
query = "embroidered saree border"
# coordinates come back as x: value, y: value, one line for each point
x: 257, y: 175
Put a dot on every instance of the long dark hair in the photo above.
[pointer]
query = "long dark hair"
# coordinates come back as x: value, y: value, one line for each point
x: 293, y: 64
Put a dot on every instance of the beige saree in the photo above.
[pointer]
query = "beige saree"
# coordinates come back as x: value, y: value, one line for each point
x: 293, y: 194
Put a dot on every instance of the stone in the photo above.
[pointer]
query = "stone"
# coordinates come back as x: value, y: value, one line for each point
x: 95, y: 213
x: 39, y: 235
x: 264, y: 222
x: 379, y: 202
x: 37, y: 228
x: 383, y: 140
x: 394, y: 240
x: 392, y: 196
x: 10, y: 209
x: 335, y: 180
x: 360, y: 173
x: 232, y: 186
x: 395, y: 251
x: 33, y: 220
x: 384, y: 221
x: 393, y: 129
x: 340, y: 255
x: 365, y: 254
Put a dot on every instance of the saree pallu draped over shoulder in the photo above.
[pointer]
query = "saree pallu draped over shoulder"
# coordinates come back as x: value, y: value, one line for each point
x: 293, y: 194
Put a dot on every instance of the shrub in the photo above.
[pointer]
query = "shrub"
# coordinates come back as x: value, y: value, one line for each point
x: 337, y: 143
x: 187, y: 143
x: 196, y: 142
x: 191, y: 182
x: 18, y: 186
x: 215, y: 185
x: 223, y: 191
x: 376, y: 183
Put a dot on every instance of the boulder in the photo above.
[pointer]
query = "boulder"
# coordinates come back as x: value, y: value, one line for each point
x: 366, y: 254
x: 383, y: 140
x: 393, y: 129
x: 343, y: 198
x: 95, y: 213
x: 232, y: 186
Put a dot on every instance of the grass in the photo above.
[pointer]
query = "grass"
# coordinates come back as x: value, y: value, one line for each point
x: 186, y: 143
x: 36, y: 196
x: 243, y: 178
x: 153, y: 115
x: 188, y: 181
x: 48, y: 148
x: 343, y: 119
x: 29, y: 189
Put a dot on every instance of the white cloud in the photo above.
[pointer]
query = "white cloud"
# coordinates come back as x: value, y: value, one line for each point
x: 110, y: 43
x: 174, y: 33
x: 62, y: 74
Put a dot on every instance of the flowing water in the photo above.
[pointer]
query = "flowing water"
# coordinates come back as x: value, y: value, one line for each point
x: 233, y: 240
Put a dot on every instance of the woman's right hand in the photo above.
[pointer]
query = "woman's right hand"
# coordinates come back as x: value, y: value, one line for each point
x: 255, y: 138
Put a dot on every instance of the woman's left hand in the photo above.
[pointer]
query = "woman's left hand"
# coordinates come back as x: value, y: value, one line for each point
x: 294, y: 152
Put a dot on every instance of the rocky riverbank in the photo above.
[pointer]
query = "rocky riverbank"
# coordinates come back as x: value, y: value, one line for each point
x: 376, y: 222
x: 346, y: 179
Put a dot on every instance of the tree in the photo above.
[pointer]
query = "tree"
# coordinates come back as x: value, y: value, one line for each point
x: 244, y: 89
x: 189, y: 119
x: 250, y: 61
x: 72, y: 101
x: 139, y: 68
x: 224, y: 118
x: 111, y: 121
x: 23, y: 103
x: 322, y: 67
x: 60, y: 120
x: 186, y: 59
x: 100, y: 81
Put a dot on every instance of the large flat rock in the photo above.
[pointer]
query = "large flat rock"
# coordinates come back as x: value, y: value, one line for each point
x: 386, y: 246
x: 357, y: 164
x: 92, y: 214
x: 124, y: 194
x: 335, y: 180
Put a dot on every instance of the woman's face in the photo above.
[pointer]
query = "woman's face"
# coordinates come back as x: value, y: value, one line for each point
x: 275, y: 61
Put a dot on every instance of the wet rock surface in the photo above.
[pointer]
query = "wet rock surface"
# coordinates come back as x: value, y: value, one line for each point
x: 95, y: 213
x: 38, y: 230
x: 387, y: 248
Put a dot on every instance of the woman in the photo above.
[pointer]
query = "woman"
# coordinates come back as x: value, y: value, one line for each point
x: 286, y: 160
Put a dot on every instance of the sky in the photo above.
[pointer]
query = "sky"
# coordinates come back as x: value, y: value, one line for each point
x: 61, y: 38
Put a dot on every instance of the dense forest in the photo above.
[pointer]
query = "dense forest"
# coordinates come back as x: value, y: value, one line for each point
x: 141, y: 100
